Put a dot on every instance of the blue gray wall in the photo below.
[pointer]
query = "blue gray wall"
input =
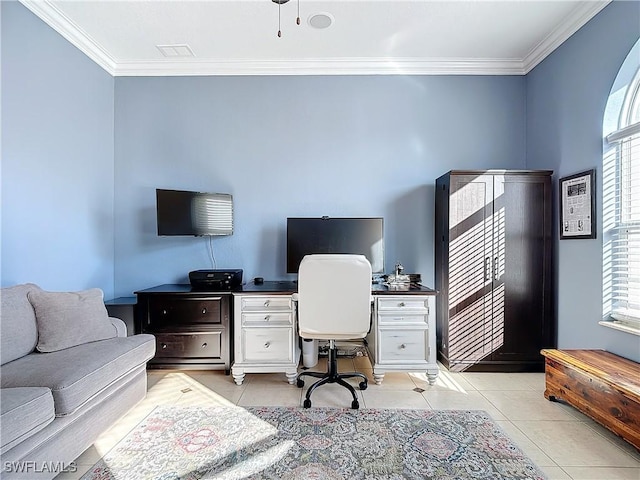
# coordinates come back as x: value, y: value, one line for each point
x: 283, y: 146
x: 57, y: 160
x: 300, y: 146
x: 566, y: 98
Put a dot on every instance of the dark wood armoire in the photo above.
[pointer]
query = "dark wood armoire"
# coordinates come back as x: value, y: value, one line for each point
x: 493, y: 269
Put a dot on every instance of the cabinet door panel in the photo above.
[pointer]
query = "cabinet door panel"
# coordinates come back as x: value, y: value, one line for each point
x: 470, y: 267
x: 521, y: 291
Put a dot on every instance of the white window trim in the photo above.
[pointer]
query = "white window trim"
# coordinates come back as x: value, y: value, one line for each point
x: 625, y: 320
x: 623, y: 327
x: 623, y: 133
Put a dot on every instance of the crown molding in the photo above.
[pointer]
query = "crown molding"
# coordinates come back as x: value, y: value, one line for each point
x: 57, y: 20
x: 570, y: 25
x: 322, y: 66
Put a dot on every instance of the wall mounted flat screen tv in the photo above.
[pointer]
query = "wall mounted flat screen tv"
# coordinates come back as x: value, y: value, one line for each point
x: 182, y: 212
x: 363, y: 236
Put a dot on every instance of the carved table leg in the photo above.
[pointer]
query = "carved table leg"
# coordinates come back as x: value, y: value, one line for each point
x: 238, y: 376
x: 291, y: 376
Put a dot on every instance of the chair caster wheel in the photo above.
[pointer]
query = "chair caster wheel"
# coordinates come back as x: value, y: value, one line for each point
x: 306, y: 403
x: 300, y: 383
x: 355, y: 405
x: 363, y: 385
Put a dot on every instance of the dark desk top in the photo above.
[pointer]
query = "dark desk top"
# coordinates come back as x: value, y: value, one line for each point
x: 121, y: 301
x: 281, y: 287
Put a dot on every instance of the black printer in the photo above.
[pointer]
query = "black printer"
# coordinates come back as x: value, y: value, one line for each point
x: 215, y: 279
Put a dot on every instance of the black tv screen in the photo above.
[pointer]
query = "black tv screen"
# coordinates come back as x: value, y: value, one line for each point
x: 363, y: 236
x: 182, y: 212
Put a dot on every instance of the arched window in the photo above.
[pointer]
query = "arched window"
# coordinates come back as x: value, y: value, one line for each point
x: 621, y: 200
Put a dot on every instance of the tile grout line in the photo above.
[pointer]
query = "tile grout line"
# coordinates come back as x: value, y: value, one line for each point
x: 555, y: 464
x: 595, y: 427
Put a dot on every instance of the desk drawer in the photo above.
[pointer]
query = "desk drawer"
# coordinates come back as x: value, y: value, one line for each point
x: 409, y: 318
x: 403, y: 345
x: 189, y: 345
x: 403, y: 303
x: 267, y: 318
x: 267, y: 344
x: 266, y: 304
x: 180, y: 310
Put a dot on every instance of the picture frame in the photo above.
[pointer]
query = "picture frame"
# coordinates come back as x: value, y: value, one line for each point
x: 578, y: 206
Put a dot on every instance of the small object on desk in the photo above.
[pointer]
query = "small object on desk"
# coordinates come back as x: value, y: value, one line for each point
x: 258, y: 280
x: 398, y: 279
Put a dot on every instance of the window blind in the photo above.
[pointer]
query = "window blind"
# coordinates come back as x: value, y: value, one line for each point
x: 625, y: 231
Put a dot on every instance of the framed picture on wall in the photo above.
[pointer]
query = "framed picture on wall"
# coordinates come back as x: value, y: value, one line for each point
x: 578, y: 206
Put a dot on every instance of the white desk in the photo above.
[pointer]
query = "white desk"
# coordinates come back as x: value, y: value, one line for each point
x: 402, y: 337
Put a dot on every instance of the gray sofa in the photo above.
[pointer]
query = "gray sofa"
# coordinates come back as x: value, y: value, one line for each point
x: 67, y: 373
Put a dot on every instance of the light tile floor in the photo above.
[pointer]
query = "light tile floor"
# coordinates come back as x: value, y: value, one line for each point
x: 564, y: 443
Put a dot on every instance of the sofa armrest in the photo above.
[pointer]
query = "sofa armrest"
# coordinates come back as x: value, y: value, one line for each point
x: 121, y: 327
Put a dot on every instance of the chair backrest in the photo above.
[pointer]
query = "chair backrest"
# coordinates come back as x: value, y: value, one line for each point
x: 334, y: 296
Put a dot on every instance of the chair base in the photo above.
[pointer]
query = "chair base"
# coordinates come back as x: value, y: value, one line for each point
x: 332, y: 376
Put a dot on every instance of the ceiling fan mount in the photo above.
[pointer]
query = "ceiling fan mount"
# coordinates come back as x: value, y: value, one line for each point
x: 282, y: 2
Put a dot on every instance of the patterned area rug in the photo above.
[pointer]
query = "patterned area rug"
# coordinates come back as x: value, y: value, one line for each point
x: 319, y: 443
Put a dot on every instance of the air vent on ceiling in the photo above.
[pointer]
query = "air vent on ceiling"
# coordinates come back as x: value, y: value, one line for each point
x: 174, y: 51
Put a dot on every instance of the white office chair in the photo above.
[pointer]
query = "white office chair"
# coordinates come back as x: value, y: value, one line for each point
x: 334, y: 303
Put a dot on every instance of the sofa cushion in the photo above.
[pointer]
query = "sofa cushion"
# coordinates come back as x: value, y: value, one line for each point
x: 67, y: 319
x: 77, y: 374
x: 18, y: 322
x: 24, y: 411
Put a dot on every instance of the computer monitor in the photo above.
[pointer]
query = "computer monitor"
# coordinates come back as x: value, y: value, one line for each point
x: 363, y: 236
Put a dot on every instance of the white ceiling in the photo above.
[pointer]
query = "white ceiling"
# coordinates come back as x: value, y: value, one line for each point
x: 239, y: 37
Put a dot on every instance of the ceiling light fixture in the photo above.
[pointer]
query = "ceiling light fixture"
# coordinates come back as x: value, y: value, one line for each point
x: 320, y: 20
x: 280, y: 2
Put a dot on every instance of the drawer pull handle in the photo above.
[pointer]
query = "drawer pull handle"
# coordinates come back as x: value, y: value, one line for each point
x: 204, y: 345
x: 267, y: 318
x: 163, y: 345
x: 267, y: 344
x: 403, y: 346
x: 401, y: 304
x: 204, y: 310
x: 266, y: 303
